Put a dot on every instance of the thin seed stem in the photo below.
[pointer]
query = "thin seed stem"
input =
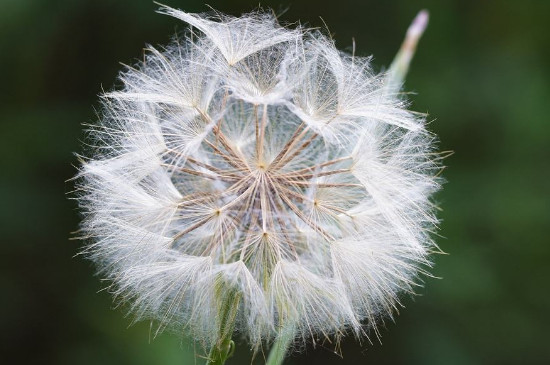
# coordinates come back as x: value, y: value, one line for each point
x: 244, y: 195
x: 322, y: 173
x: 196, y: 197
x: 278, y: 209
x: 228, y: 173
x: 336, y: 209
x: 193, y: 227
x: 304, y: 198
x: 323, y: 185
x: 317, y: 166
x: 302, y: 216
x: 220, y: 136
x: 263, y: 202
x: 296, y: 136
x: 225, y: 143
x: 249, y: 233
x: 287, y: 158
x: 224, y: 102
x: 202, y: 174
x: 257, y: 132
x: 262, y: 135
x: 236, y: 163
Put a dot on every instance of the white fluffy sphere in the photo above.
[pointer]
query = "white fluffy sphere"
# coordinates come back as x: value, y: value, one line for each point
x: 255, y: 170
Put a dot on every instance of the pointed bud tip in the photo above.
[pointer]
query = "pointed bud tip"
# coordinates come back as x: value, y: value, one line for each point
x: 419, y: 24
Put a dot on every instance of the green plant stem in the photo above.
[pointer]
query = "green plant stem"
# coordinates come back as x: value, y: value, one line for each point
x: 221, y: 352
x: 280, y: 346
x: 400, y: 65
x: 228, y: 305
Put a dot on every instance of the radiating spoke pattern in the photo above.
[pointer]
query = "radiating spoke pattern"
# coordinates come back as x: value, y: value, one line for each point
x: 248, y: 197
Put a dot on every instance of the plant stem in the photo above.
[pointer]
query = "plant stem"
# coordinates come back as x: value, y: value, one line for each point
x: 400, y: 65
x: 228, y: 305
x: 280, y: 346
x: 221, y: 352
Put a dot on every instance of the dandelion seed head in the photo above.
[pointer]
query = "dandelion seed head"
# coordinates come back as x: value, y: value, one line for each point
x: 250, y: 158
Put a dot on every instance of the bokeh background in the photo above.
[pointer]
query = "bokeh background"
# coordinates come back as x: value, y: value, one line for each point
x: 481, y: 72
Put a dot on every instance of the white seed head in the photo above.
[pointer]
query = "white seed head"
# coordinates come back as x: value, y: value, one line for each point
x: 258, y: 165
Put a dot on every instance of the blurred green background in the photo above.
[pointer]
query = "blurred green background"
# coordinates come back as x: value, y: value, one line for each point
x: 482, y: 74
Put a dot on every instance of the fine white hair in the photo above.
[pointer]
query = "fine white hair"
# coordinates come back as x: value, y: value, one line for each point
x: 257, y: 166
